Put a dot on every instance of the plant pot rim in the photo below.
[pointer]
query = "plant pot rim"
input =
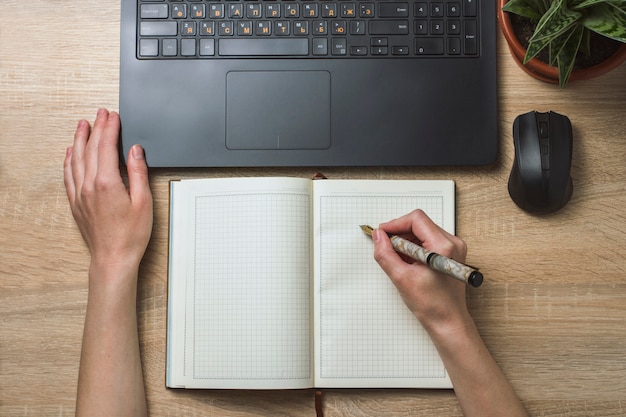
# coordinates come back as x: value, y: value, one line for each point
x: 545, y: 72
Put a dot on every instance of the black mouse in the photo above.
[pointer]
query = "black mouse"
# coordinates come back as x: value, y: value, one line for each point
x: 540, y: 180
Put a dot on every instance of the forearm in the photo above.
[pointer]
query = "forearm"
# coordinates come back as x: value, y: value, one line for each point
x: 110, y: 377
x: 480, y: 386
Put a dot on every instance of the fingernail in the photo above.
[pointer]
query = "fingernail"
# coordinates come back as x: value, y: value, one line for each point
x: 100, y: 112
x: 68, y: 151
x: 376, y: 235
x: 138, y: 152
x: 80, y: 124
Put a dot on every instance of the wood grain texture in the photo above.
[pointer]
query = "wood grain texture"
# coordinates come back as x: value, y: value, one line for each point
x: 552, y: 308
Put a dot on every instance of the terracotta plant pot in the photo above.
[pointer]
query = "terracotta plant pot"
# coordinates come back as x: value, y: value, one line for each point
x: 544, y: 72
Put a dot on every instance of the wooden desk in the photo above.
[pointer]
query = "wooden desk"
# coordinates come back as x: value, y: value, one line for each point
x: 552, y: 309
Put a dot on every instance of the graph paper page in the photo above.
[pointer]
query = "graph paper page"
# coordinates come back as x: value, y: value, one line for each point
x: 365, y: 337
x: 240, y: 302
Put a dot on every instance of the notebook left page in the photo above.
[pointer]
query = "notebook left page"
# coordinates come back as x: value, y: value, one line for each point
x: 239, y: 284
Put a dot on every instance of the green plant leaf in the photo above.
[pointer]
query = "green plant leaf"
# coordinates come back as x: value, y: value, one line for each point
x: 582, y: 4
x: 564, y: 27
x: 557, y: 21
x: 585, y: 44
x: 533, y: 9
x: 556, y: 46
x: 552, y: 56
x: 607, y: 19
x: 567, y: 55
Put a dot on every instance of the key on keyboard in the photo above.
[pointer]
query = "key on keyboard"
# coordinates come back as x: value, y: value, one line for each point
x: 307, y: 29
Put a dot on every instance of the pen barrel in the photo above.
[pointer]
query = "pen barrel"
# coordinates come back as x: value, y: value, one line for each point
x: 450, y: 267
x: 438, y: 262
x: 410, y: 249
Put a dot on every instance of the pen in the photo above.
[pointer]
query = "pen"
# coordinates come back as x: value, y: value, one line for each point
x: 462, y: 272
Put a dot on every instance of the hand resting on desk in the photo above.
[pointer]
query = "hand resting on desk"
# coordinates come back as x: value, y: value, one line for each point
x: 116, y: 224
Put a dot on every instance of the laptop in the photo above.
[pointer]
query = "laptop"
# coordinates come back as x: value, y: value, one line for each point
x: 309, y: 82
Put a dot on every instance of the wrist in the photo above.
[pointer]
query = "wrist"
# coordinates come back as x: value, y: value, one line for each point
x: 451, y: 328
x: 118, y: 276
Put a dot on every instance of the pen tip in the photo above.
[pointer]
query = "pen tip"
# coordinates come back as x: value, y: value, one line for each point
x: 367, y: 229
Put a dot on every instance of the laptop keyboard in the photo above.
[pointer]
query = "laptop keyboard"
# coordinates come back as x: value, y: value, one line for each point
x: 307, y: 28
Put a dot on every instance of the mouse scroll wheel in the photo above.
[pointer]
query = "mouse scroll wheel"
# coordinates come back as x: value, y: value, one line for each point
x: 544, y: 145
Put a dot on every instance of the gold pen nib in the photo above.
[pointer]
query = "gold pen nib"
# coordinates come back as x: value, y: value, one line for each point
x: 367, y: 229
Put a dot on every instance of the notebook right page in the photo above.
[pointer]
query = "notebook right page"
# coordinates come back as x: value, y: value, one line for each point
x: 365, y: 336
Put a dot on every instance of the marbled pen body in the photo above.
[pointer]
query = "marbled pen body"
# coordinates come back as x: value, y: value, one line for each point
x: 435, y: 261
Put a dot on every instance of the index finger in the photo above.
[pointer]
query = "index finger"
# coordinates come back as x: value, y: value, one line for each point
x: 389, y: 260
x: 108, y: 156
x: 421, y: 226
x: 416, y: 222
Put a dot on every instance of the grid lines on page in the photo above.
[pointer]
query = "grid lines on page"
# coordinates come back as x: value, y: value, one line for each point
x: 366, y: 330
x: 252, y: 293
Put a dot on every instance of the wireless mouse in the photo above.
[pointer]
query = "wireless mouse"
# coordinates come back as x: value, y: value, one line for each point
x: 540, y: 180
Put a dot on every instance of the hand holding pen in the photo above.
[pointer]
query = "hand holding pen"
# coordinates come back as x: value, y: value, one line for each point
x: 429, y: 295
x: 465, y: 273
x: 440, y: 304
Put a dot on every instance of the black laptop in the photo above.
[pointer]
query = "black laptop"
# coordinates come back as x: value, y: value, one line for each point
x: 309, y: 82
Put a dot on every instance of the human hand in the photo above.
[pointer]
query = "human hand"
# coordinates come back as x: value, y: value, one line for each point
x: 115, y: 222
x: 438, y: 301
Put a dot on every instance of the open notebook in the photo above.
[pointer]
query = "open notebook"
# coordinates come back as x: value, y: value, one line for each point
x: 273, y: 285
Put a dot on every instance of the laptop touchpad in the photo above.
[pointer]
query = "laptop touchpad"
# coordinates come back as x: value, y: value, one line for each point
x: 278, y: 110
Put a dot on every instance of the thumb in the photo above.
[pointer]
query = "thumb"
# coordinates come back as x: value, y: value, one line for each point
x: 138, y: 174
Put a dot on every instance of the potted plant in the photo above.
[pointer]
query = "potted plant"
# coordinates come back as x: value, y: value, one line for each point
x: 564, y: 32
